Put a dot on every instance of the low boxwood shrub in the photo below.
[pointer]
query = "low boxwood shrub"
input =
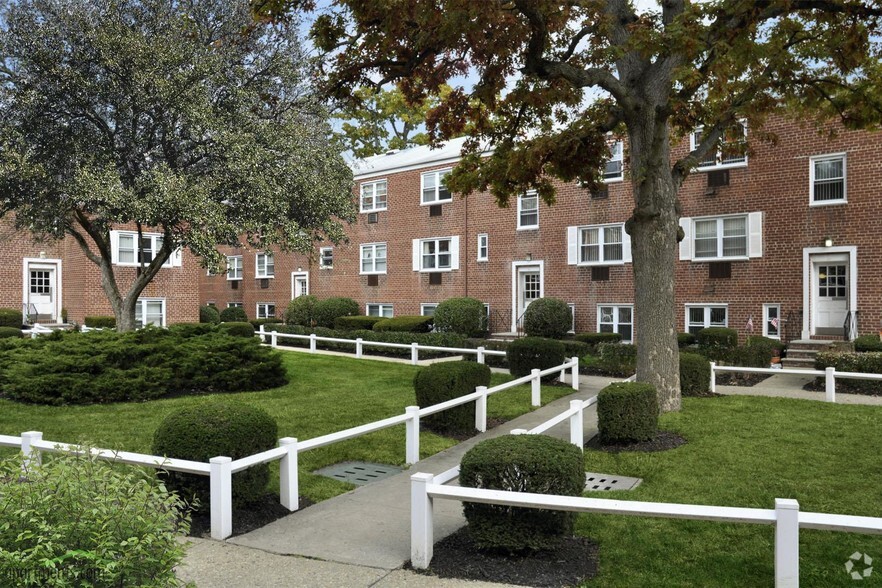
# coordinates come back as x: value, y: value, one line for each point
x: 866, y: 343
x: 10, y: 317
x: 349, y: 323
x: 529, y: 353
x: 209, y: 314
x: 750, y: 356
x: 10, y: 332
x: 233, y: 314
x: 408, y: 324
x: 627, y: 412
x: 187, y: 330
x: 489, y: 345
x: 716, y: 343
x: 237, y: 329
x: 617, y: 359
x: 867, y: 362
x: 212, y: 429
x: 100, y: 322
x: 521, y: 463
x: 257, y: 323
x: 431, y: 339
x: 574, y: 348
x: 694, y: 374
x: 595, y: 339
x: 685, y: 340
x: 464, y: 316
x: 548, y: 317
x: 327, y: 310
x: 301, y: 311
x: 768, y: 343
x: 76, y: 520
x: 444, y: 381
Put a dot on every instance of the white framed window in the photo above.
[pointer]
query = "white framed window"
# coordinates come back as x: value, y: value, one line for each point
x: 428, y: 308
x: 265, y: 265
x: 614, y: 169
x: 211, y: 303
x: 736, y: 236
x: 827, y: 179
x: 373, y: 258
x: 528, y: 211
x: 373, y: 196
x: 377, y: 309
x: 326, y: 258
x: 127, y: 250
x: 438, y: 254
x: 433, y: 189
x: 234, y: 305
x: 150, y: 311
x: 598, y: 245
x: 772, y: 321
x: 728, y: 154
x: 701, y: 316
x: 266, y: 310
x: 572, y: 317
x: 616, y: 318
x: 483, y: 247
x: 234, y: 267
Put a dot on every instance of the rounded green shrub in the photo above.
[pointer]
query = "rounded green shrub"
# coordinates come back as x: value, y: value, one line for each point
x: 407, y: 324
x: 593, y: 340
x: 529, y: 353
x: 237, y: 329
x: 445, y: 381
x: 521, y: 463
x: 187, y: 330
x: 685, y: 340
x: 627, y: 412
x: 233, y: 314
x: 10, y: 332
x: 209, y: 314
x: 695, y: 374
x: 352, y: 323
x: 9, y: 317
x: 100, y: 322
x: 868, y: 343
x: 301, y: 311
x: 461, y: 315
x: 213, y: 429
x: 548, y: 317
x: 327, y: 310
x: 717, y: 343
x: 618, y: 359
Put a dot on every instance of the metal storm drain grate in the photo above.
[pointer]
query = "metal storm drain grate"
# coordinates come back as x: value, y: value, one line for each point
x: 359, y: 472
x: 602, y: 482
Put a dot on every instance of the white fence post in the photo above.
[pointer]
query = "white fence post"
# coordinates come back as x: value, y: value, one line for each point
x: 261, y: 333
x: 576, y: 424
x: 32, y: 455
x: 480, y: 355
x: 414, y: 353
x: 221, y: 484
x: 412, y: 432
x: 536, y: 396
x: 358, y: 348
x: 713, y: 379
x: 830, y: 384
x: 422, y: 535
x: 289, y: 480
x: 481, y: 409
x: 312, y: 342
x: 575, y: 373
x: 786, y: 543
x: 274, y: 338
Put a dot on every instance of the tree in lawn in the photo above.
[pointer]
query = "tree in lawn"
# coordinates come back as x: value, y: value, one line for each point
x: 555, y: 77
x: 180, y: 118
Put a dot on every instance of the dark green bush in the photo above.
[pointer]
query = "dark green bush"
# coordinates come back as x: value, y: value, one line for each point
x: 627, y: 412
x: 593, y: 340
x: 867, y: 362
x: 616, y: 359
x: 432, y: 339
x: 531, y: 353
x: 238, y: 329
x: 349, y: 323
x: 233, y: 314
x: 548, y: 317
x: 685, y: 340
x: 694, y: 374
x: 327, y: 310
x: 751, y: 356
x: 866, y: 343
x: 256, y: 323
x: 209, y: 314
x: 9, y: 317
x: 10, y: 332
x: 489, y: 345
x: 407, y: 324
x: 212, y: 429
x: 444, y: 381
x: 717, y: 343
x: 187, y: 330
x: 100, y: 322
x: 574, y: 348
x: 464, y: 316
x: 767, y: 343
x: 301, y: 311
x: 521, y: 463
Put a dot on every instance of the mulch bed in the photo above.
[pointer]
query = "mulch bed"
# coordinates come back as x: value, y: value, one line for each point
x: 571, y: 564
x: 245, y: 520
x: 663, y: 441
x: 740, y: 379
x: 818, y: 385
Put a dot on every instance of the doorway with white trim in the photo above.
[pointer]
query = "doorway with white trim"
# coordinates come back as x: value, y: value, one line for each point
x: 41, y: 290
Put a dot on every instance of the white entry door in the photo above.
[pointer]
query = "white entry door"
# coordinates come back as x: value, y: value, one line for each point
x: 42, y: 289
x: 830, y: 293
x: 529, y: 289
x: 299, y: 284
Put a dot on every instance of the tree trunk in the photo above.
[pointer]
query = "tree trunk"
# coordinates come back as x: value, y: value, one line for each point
x: 123, y: 307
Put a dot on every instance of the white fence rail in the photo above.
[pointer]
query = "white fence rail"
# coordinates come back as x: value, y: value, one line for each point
x: 829, y: 374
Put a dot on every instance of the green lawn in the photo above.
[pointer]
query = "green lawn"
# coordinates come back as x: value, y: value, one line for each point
x: 744, y: 451
x: 325, y: 394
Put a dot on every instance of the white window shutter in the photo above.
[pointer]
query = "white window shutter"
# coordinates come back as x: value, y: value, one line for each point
x: 755, y: 226
x: 177, y: 257
x: 626, y: 246
x: 572, y: 245
x: 416, y: 255
x: 114, y: 246
x: 686, y: 243
x: 454, y: 253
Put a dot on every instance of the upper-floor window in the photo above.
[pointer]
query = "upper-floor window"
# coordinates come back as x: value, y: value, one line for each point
x: 266, y: 310
x: 433, y: 188
x: 483, y: 247
x: 736, y: 236
x: 373, y: 258
x: 127, y: 249
x: 615, y: 164
x: 729, y: 152
x: 436, y: 254
x: 373, y: 196
x: 234, y: 267
x: 528, y: 211
x: 828, y: 179
x: 598, y: 245
x: 326, y: 257
x: 266, y: 265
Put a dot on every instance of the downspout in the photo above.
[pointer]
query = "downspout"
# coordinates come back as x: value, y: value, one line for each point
x: 466, y: 248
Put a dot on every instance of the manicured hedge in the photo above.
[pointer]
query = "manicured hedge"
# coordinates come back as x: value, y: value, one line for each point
x: 685, y: 340
x: 349, y: 323
x: 868, y: 362
x: 595, y: 339
x: 100, y: 322
x: 464, y: 316
x: 433, y: 339
x: 768, y: 343
x: 237, y: 329
x: 694, y: 374
x: 9, y: 317
x: 193, y: 329
x: 716, y: 343
x: 256, y: 323
x: 627, y: 412
x: 209, y: 314
x: 301, y: 311
x: 750, y: 356
x: 529, y: 353
x: 445, y: 381
x: 866, y: 343
x: 326, y: 311
x: 10, y: 332
x: 548, y: 317
x: 233, y: 314
x: 521, y: 463
x: 409, y: 324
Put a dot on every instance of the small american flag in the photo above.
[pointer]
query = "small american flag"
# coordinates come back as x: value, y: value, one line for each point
x: 774, y: 322
x: 750, y: 324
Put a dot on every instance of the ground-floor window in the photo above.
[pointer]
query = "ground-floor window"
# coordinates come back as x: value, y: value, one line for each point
x: 700, y: 317
x: 150, y: 311
x: 266, y: 310
x: 384, y: 310
x: 619, y: 319
x: 234, y: 305
x: 428, y: 309
x: 572, y: 317
x: 772, y: 321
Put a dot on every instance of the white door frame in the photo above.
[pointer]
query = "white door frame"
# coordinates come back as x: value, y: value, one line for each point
x: 29, y: 263
x: 808, y: 282
x: 516, y: 267
x: 294, y: 276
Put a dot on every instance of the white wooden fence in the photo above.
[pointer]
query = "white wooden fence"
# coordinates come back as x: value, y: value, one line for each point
x: 830, y: 374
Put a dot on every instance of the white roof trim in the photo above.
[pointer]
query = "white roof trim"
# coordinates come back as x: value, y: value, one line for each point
x: 413, y: 158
